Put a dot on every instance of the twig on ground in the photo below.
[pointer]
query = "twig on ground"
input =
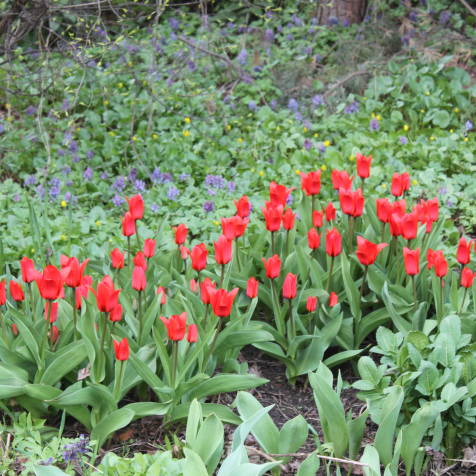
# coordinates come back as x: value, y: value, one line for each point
x: 468, y: 7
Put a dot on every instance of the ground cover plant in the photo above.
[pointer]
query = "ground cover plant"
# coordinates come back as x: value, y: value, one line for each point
x: 189, y: 198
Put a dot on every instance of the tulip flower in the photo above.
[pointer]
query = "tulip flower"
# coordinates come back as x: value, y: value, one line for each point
x: 184, y: 252
x: 330, y: 212
x: 53, y: 334
x: 140, y: 261
x: 311, y: 183
x: 180, y: 234
x: 106, y: 296
x: 207, y: 286
x: 116, y: 314
x: 363, y: 165
x: 333, y: 242
x: 400, y: 184
x: 72, y: 271
x: 409, y: 226
x: 128, y: 225
x: 53, y: 314
x: 463, y: 254
x: 317, y: 218
x: 467, y: 278
x: 233, y: 227
x: 176, y: 326
x: 311, y: 303
x: 222, y: 301
x: 14, y: 330
x: 252, y: 288
x: 50, y: 284
x: 313, y: 239
x: 272, y: 266
x: 139, y: 282
x: 341, y: 180
x: 288, y: 219
x: 351, y: 202
x: 3, y: 292
x: 121, y: 349
x: 82, y: 290
x: 223, y: 250
x: 117, y: 259
x: 136, y: 207
x: 396, y: 225
x: 384, y: 209
x: 333, y: 299
x: 161, y: 291
x: 433, y: 209
x: 367, y: 251
x: 199, y: 256
x: 149, y: 247
x: 289, y: 286
x: 411, y: 259
x: 243, y: 207
x: 28, y: 271
x: 192, y: 333
x: 278, y: 194
x: 16, y: 291
x: 273, y: 215
x: 194, y: 286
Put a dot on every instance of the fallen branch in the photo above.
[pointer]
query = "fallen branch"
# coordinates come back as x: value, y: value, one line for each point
x: 344, y: 80
x: 470, y: 10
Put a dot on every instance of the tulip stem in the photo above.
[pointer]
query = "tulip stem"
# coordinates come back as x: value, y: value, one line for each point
x: 174, y: 362
x: 139, y: 317
x: 272, y: 243
x: 313, y: 206
x: 32, y: 305
x: 382, y: 234
x: 287, y: 242
x: 222, y: 276
x: 75, y: 316
x: 440, y: 317
x: 214, y: 341
x: 351, y: 232
x: 414, y: 293
x: 292, y: 326
x: 129, y: 252
x: 362, y: 286
x: 330, y: 274
x: 237, y: 253
x: 464, y: 299
x: 137, y: 234
x: 118, y: 383
x: 4, y: 332
x: 103, y: 334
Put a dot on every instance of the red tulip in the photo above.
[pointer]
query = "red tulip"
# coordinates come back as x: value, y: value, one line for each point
x: 333, y: 299
x: 222, y: 301
x: 433, y: 209
x: 278, y: 194
x: 121, y: 349
x: 136, y: 207
x: 192, y: 333
x: 107, y: 297
x: 410, y: 226
x: 341, y: 179
x: 223, y: 250
x: 289, y: 286
x: 396, y: 226
x: 3, y: 293
x: 207, y: 286
x: 243, y: 207
x: 82, y: 290
x: 140, y: 261
x: 117, y: 259
x: 149, y: 247
x: 176, y: 326
x: 440, y: 264
x: 333, y: 242
x: 384, y: 209
x: 14, y: 330
x: 194, y: 285
x: 311, y: 303
x: 72, y: 271
x: 313, y: 239
x: 467, y: 278
x: 330, y: 212
x: 28, y: 271
x: 199, y: 256
x: 116, y: 314
x: 463, y: 254
x: 288, y: 219
x: 273, y: 215
x: 411, y: 259
x: 128, y: 225
x: 363, y: 165
x: 53, y: 316
x: 233, y: 227
x: 16, y: 291
x: 252, y: 288
x: 311, y: 182
x: 53, y: 334
x: 161, y: 291
x: 317, y: 218
x: 50, y: 284
x: 184, y: 252
x: 351, y: 202
x: 367, y: 251
x: 139, y: 281
x: 272, y: 266
x: 180, y: 234
x: 400, y: 184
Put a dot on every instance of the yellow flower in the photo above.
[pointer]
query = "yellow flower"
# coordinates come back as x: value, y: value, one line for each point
x: 452, y: 130
x: 298, y: 172
x: 383, y: 186
x: 414, y: 182
x: 305, y: 129
x: 456, y: 110
x: 327, y: 143
x: 465, y: 139
x: 240, y: 139
x: 216, y: 223
x: 351, y: 158
x: 378, y: 117
x: 134, y: 138
x: 112, y: 133
x: 324, y: 167
x: 422, y: 110
x: 406, y: 127
x: 187, y: 120
x: 155, y: 136
x: 432, y: 137
x: 228, y: 127
x: 120, y: 85
x: 427, y: 93
x: 186, y: 133
x: 63, y: 203
x: 372, y: 115
x: 63, y: 237
x: 316, y: 134
x: 98, y: 223
x: 260, y: 173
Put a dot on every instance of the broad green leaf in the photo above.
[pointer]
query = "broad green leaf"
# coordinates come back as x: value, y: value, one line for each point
x: 110, y: 423
x: 292, y: 435
x: 351, y: 290
x: 12, y: 381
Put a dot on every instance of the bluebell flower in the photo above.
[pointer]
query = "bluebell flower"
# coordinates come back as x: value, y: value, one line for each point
x: 298, y: 116
x: 67, y: 197
x: 242, y: 57
x: 172, y: 193
x: 66, y: 170
x: 30, y: 180
x: 154, y: 176
x: 183, y: 177
x: 119, y: 184
x: 76, y: 158
x: 318, y: 58
x: 252, y: 106
x: 289, y: 200
x: 73, y: 146
x: 55, y: 188
x: 90, y: 154
x: 317, y: 100
x: 132, y: 175
x: 191, y: 65
x: 104, y: 176
x: 374, y: 124
x: 273, y: 104
x: 403, y: 140
x: 174, y: 23
x: 117, y: 200
x: 332, y: 21
x: 69, y: 183
x: 289, y: 37
x: 231, y: 186
x: 351, y: 108
x: 154, y: 207
x: 215, y: 181
x: 321, y: 147
x: 345, y: 22
x: 209, y: 206
x: 31, y: 110
x: 468, y: 125
x: 296, y: 20
x: 413, y: 16
x: 66, y: 105
x: 293, y: 105
x: 61, y: 152
x: 139, y: 185
x: 269, y: 35
x: 307, y: 144
x: 444, y: 18
x: 40, y: 191
x: 74, y: 451
x: 88, y: 173
x: 308, y: 50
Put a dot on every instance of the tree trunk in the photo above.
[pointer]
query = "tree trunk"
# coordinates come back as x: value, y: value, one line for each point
x: 343, y: 12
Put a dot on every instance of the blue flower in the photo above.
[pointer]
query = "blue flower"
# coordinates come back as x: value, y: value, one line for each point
x: 374, y: 124
x: 30, y: 180
x: 215, y: 181
x: 154, y: 207
x: 231, y: 186
x: 88, y: 173
x: 351, y: 108
x: 119, y: 184
x: 183, y: 177
x: 269, y: 35
x: 307, y: 144
x: 293, y: 105
x: 172, y: 193
x: 403, y: 140
x: 139, y: 185
x: 242, y: 57
x: 209, y: 206
x: 252, y: 106
x: 317, y: 100
x: 468, y: 125
x: 117, y: 200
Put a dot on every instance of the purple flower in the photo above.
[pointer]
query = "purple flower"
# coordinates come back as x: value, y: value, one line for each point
x: 289, y: 200
x: 332, y: 21
x: 307, y: 144
x: 66, y: 170
x: 403, y: 140
x: 273, y: 104
x: 242, y: 57
x: 74, y: 451
x: 139, y: 185
x: 66, y: 105
x: 191, y: 65
x: 61, y: 152
x: 444, y: 18
x: 443, y: 191
x: 374, y: 124
x: 231, y: 186
x: 413, y: 16
x: 16, y: 197
x: 104, y: 176
x: 468, y: 125
x: 183, y: 177
x: 215, y: 181
x: 73, y: 146
x: 119, y: 184
x: 67, y: 196
x: 351, y: 108
x: 132, y: 175
x: 154, y: 176
x: 55, y: 187
x: 293, y: 105
x: 88, y: 173
x: 174, y: 23
x: 40, y: 191
x: 209, y: 206
x: 89, y: 154
x: 317, y: 100
x: 172, y: 193
x: 321, y: 147
x: 211, y: 192
x: 296, y: 20
x: 252, y: 106
x: 269, y: 35
x: 117, y: 200
x: 76, y: 158
x: 345, y: 22
x: 154, y: 207
x: 30, y: 180
x: 30, y: 110
x: 69, y: 183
